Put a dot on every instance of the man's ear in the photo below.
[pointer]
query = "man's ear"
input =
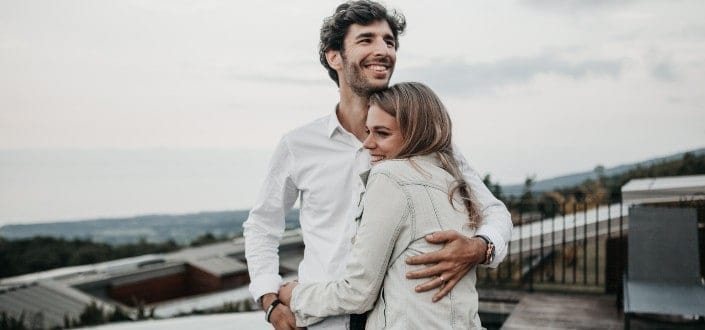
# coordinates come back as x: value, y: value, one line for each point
x: 335, y: 59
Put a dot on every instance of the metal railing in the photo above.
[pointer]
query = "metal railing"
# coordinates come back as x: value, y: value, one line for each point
x: 563, y: 247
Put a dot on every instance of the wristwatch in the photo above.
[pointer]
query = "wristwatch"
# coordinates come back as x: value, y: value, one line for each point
x: 270, y: 309
x: 489, y: 253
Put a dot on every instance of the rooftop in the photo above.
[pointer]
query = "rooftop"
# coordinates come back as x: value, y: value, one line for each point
x: 56, y: 293
x: 664, y: 189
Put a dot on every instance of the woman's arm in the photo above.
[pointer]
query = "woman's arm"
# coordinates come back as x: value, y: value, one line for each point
x: 386, y: 207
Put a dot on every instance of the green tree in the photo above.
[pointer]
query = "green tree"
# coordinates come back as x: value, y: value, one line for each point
x: 205, y: 239
x: 495, y: 188
x: 92, y: 315
x: 527, y: 196
x: 11, y: 323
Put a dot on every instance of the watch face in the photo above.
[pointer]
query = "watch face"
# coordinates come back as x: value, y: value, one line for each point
x: 490, y: 253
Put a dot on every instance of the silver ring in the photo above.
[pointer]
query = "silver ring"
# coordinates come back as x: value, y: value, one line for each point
x: 443, y: 281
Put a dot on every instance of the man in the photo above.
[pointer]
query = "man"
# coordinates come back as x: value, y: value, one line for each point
x: 320, y: 162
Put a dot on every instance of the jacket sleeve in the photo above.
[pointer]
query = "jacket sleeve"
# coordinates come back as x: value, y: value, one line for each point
x: 496, y: 220
x: 265, y: 225
x: 385, y: 209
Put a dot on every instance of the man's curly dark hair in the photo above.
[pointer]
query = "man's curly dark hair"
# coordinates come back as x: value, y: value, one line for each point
x: 363, y: 12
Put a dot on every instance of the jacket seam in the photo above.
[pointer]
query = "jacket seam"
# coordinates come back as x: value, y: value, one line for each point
x: 408, y: 211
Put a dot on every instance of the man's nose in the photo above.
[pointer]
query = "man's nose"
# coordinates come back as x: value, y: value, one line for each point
x: 381, y: 47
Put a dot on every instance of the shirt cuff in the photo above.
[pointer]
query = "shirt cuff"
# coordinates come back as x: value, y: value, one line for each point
x: 265, y: 284
x: 500, y: 245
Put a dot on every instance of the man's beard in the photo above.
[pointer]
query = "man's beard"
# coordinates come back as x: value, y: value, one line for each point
x: 357, y: 82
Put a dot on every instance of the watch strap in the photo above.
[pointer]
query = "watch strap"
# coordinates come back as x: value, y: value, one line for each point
x: 489, y: 253
x: 270, y: 309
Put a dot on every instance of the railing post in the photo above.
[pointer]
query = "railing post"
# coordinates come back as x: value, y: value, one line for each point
x: 575, y: 242
x: 621, y: 237
x: 609, y: 219
x: 521, y: 249
x: 553, y: 241
x: 597, y: 243
x: 531, y: 268
x: 585, y: 227
x: 542, y: 255
x: 563, y: 245
x: 508, y: 278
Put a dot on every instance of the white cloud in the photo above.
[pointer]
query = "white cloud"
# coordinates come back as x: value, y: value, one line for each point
x: 133, y: 74
x: 478, y: 78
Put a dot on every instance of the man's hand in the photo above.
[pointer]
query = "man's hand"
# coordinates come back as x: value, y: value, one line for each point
x: 449, y: 264
x: 286, y: 291
x: 281, y: 318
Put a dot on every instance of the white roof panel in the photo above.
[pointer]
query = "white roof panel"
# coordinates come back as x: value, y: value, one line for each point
x: 249, y: 320
x: 664, y: 189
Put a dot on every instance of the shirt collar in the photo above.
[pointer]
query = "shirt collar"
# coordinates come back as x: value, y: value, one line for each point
x: 333, y: 123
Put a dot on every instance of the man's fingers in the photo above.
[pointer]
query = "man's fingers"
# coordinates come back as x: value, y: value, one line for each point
x: 283, y: 318
x: 426, y: 258
x: 442, y: 236
x: 447, y: 287
x: 436, y: 256
x: 284, y: 326
x: 426, y: 272
x: 437, y: 282
x: 292, y: 323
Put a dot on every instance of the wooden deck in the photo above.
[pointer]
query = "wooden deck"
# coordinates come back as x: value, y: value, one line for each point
x: 556, y: 311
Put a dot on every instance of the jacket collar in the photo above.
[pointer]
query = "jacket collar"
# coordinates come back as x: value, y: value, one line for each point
x: 431, y: 158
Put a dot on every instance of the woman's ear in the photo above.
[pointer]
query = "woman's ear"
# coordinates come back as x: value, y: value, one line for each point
x: 334, y: 59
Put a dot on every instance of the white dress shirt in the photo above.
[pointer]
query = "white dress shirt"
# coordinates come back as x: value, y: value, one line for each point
x: 320, y: 163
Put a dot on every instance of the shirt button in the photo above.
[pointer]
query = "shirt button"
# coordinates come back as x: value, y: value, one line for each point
x: 352, y: 240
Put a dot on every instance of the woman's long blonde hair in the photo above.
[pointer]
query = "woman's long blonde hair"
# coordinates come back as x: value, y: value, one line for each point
x: 426, y: 128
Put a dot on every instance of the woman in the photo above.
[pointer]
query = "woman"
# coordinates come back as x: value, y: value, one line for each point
x: 413, y: 189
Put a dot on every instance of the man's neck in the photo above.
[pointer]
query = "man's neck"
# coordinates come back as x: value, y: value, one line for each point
x: 352, y: 113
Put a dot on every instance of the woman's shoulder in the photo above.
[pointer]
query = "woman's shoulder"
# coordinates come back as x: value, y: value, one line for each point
x: 418, y: 168
x: 389, y: 166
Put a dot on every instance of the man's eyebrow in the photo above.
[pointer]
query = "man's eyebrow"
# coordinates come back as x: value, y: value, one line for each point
x: 365, y: 35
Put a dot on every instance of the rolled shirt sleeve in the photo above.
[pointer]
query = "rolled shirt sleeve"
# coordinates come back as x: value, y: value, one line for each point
x: 496, y: 220
x: 265, y: 225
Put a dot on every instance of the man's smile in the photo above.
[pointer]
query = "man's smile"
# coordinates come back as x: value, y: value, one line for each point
x: 379, y: 67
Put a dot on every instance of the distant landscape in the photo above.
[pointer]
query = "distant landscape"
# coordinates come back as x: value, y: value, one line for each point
x: 185, y: 228
x: 182, y: 229
x: 578, y: 178
x: 27, y: 248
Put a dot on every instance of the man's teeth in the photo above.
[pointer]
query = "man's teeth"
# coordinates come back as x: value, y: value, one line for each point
x: 378, y: 67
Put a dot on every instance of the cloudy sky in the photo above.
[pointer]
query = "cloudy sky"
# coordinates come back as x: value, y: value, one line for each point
x: 543, y: 87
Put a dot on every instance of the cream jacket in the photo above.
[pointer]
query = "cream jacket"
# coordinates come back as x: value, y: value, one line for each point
x: 405, y: 200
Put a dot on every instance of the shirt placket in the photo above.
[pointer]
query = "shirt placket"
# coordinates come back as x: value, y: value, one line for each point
x: 362, y: 165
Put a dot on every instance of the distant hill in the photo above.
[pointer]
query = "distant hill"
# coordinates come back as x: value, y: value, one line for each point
x: 185, y: 228
x: 578, y: 178
x: 152, y: 228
